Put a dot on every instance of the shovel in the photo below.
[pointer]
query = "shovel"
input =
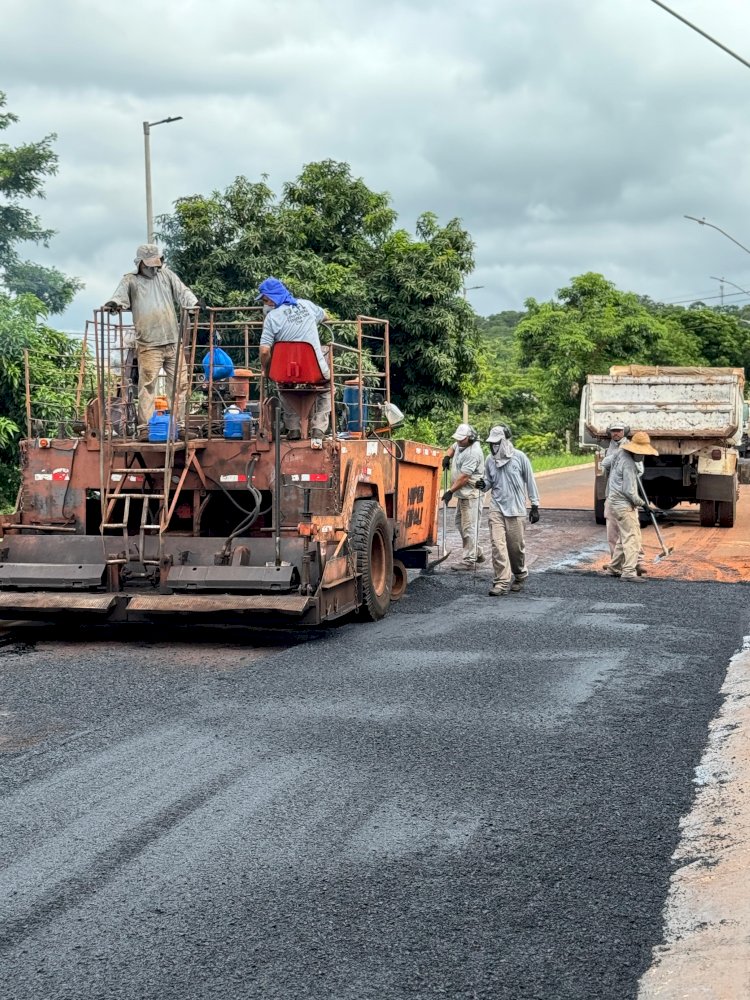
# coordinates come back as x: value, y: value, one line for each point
x: 443, y: 552
x: 665, y: 550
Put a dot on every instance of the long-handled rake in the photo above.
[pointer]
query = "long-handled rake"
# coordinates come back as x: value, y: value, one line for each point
x: 476, y: 537
x: 444, y: 553
x: 666, y: 550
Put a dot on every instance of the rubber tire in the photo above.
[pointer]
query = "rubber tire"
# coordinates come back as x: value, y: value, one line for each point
x: 727, y: 511
x: 666, y: 503
x: 400, y: 580
x: 599, y: 509
x: 371, y: 544
x: 644, y: 518
x: 708, y: 513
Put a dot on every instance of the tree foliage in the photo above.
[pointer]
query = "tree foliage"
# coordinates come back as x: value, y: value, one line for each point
x: 332, y: 239
x: 54, y: 361
x: 23, y: 170
x: 590, y: 326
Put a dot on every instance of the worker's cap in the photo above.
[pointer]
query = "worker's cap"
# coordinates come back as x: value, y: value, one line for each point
x: 276, y: 291
x: 640, y: 444
x: 498, y: 433
x: 615, y: 427
x: 149, y: 254
x: 463, y: 431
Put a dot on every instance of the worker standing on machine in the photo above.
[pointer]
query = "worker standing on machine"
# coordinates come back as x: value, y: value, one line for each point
x: 465, y: 459
x: 150, y: 292
x: 509, y: 477
x: 296, y: 321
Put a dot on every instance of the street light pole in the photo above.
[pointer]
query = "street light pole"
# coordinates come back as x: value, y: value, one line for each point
x: 702, y: 222
x: 471, y: 288
x: 147, y: 126
x: 721, y: 287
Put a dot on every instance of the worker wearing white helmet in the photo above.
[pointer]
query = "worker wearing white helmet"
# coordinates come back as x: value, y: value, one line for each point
x: 465, y: 459
x: 150, y: 291
x: 509, y: 477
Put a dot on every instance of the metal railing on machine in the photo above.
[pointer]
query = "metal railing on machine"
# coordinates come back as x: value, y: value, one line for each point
x: 219, y: 353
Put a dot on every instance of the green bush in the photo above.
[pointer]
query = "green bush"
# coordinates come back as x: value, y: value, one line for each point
x: 539, y: 444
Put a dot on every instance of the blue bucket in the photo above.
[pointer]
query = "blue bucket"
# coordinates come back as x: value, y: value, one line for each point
x: 352, y: 391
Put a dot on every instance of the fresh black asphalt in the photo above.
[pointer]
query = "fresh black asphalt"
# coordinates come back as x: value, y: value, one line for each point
x: 474, y: 798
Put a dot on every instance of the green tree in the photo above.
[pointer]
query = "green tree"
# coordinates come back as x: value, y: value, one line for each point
x: 723, y: 336
x: 334, y: 240
x: 23, y: 170
x: 590, y: 326
x: 54, y: 361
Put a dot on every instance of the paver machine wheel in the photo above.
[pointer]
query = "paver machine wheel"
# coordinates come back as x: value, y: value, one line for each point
x: 371, y: 544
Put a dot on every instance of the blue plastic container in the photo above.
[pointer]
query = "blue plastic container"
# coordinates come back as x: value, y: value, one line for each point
x: 223, y: 365
x: 158, y: 427
x: 351, y: 402
x: 235, y: 421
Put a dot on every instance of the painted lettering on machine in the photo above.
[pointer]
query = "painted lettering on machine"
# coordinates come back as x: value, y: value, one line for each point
x: 414, y: 505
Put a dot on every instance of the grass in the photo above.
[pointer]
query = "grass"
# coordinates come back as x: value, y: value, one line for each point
x: 541, y: 463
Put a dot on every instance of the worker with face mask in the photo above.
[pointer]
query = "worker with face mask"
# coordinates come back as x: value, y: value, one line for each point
x: 294, y: 320
x: 509, y: 477
x: 151, y: 291
x: 618, y: 436
x: 465, y: 459
x: 625, y: 500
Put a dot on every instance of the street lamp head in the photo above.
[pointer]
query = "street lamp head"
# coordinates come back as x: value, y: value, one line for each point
x: 164, y: 121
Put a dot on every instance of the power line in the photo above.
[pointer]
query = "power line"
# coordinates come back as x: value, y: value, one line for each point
x: 707, y: 298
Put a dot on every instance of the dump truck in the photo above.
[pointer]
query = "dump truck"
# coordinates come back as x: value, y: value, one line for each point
x: 232, y: 520
x: 696, y: 418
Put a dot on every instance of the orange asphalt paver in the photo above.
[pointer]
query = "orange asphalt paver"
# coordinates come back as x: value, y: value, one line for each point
x: 717, y: 554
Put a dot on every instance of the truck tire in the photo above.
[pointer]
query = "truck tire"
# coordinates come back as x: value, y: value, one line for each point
x: 599, y: 509
x: 371, y: 544
x: 727, y: 511
x: 708, y: 513
x: 400, y: 580
x: 666, y: 503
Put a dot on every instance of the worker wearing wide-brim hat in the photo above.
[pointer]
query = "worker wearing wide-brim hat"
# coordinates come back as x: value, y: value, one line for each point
x: 618, y: 434
x: 625, y: 500
x: 465, y: 459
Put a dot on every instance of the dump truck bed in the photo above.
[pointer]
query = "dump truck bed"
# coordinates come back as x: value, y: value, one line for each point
x: 675, y: 403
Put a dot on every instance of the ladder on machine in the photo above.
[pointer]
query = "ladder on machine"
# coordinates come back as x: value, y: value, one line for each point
x: 120, y: 468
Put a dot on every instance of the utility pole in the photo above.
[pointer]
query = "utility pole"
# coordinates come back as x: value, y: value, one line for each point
x: 465, y: 417
x: 721, y: 287
x: 147, y: 126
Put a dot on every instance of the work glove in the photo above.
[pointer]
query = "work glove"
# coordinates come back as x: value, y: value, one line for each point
x: 446, y: 461
x: 640, y: 502
x: 447, y: 497
x: 534, y: 514
x: 481, y: 485
x: 112, y: 307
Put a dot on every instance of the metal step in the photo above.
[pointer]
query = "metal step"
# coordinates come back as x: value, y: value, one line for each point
x: 49, y: 602
x: 201, y: 604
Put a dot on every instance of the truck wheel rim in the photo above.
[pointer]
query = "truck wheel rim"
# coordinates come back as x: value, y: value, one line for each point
x: 378, y: 564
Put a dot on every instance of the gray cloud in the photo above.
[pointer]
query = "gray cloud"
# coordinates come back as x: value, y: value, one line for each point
x: 567, y: 136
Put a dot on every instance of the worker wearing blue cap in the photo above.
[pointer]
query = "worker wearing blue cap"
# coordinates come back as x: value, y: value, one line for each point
x: 294, y: 320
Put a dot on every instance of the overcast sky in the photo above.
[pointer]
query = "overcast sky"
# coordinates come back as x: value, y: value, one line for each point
x: 568, y: 135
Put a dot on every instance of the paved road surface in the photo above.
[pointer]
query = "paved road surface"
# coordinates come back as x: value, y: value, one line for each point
x: 721, y: 554
x: 473, y: 798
